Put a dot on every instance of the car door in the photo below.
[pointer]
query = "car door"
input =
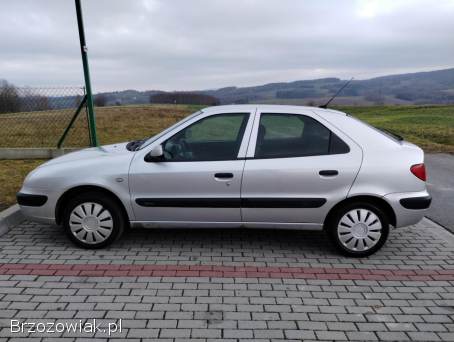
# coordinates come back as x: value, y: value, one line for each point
x: 199, y: 178
x: 298, y: 166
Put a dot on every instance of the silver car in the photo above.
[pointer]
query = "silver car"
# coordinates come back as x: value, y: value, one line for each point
x: 239, y: 166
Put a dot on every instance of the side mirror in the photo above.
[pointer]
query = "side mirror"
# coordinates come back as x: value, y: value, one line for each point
x: 155, y: 155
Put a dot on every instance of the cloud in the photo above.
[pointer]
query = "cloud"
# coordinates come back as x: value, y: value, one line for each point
x: 199, y: 44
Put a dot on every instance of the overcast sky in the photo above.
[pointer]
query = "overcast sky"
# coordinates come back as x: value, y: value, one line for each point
x: 200, y: 44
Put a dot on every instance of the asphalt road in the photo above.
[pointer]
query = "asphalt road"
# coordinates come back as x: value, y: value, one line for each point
x: 440, y: 168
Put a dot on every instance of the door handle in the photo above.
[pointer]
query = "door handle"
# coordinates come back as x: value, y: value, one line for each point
x: 223, y: 175
x: 328, y: 173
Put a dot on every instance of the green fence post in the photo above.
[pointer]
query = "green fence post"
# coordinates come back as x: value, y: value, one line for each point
x: 83, y: 51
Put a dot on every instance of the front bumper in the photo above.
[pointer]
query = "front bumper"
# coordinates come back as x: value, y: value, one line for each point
x: 37, y: 204
x: 30, y: 200
x: 409, y: 207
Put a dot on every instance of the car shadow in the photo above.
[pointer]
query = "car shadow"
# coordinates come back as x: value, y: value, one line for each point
x: 31, y: 242
x: 239, y: 240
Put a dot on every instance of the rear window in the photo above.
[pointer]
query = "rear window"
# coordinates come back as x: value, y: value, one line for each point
x: 390, y: 135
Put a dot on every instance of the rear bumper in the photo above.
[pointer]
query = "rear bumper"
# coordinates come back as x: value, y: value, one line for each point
x: 409, y: 207
x: 416, y: 203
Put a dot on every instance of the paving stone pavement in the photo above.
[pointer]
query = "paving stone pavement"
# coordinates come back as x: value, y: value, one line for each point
x: 285, y: 290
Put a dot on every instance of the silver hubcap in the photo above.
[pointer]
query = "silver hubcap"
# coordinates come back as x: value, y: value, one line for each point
x: 91, y: 223
x: 359, y: 230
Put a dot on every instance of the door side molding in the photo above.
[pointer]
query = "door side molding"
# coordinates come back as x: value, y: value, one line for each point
x: 190, y: 202
x: 232, y: 202
x: 282, y: 202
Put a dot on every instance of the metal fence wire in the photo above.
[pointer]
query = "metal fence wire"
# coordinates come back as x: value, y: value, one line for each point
x: 37, y: 117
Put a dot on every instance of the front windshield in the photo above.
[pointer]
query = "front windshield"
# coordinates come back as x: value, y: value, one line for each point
x: 148, y: 141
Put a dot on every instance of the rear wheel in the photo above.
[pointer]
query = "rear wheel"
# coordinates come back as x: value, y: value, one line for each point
x: 93, y: 220
x: 358, y: 229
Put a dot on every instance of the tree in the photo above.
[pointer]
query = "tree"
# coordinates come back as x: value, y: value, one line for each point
x: 39, y: 102
x: 32, y: 100
x: 100, y: 100
x: 376, y: 97
x: 10, y: 101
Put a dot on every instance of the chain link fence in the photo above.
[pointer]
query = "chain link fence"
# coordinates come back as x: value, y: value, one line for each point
x: 37, y: 117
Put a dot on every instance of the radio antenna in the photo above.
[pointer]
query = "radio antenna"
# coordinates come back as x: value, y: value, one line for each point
x: 335, y: 95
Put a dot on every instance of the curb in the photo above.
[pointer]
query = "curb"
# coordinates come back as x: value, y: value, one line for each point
x: 9, y: 218
x: 34, y: 153
x: 439, y: 230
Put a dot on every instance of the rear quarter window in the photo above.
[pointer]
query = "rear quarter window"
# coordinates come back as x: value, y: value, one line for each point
x: 295, y: 135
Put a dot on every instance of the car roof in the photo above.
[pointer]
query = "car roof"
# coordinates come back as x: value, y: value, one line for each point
x: 270, y: 108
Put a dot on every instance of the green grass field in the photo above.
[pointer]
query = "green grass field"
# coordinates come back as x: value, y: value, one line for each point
x: 12, y: 174
x: 431, y: 127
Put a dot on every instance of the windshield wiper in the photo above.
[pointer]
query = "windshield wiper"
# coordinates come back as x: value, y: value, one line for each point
x: 135, y: 145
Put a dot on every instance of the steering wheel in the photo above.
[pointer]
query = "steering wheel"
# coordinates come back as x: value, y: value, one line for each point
x: 168, y: 155
x: 184, y: 146
x: 175, y: 150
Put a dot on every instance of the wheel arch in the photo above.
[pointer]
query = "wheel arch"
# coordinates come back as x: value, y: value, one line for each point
x: 378, y: 201
x: 68, y: 194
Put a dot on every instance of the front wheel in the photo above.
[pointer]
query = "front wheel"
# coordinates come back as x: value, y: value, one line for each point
x: 93, y: 220
x: 358, y: 229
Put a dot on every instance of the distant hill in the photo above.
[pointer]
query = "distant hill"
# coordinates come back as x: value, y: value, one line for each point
x: 433, y: 87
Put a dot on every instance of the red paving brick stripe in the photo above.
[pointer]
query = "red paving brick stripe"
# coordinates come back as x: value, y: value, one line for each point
x: 122, y: 270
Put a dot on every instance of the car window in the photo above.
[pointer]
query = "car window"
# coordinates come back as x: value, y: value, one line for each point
x: 216, y: 137
x: 282, y: 126
x: 152, y: 139
x: 294, y: 135
x: 337, y: 146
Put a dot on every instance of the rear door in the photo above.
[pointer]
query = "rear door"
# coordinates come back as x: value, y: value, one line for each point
x: 298, y: 166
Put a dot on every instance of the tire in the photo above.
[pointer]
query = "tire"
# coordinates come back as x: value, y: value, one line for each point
x: 358, y: 229
x: 93, y: 220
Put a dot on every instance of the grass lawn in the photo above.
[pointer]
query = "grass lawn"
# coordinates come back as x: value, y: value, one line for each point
x: 115, y: 124
x: 431, y: 127
x: 12, y: 174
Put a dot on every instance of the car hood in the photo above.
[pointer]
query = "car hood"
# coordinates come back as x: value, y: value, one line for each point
x: 91, y: 153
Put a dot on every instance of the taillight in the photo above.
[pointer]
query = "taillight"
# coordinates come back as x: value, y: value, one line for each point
x: 419, y: 170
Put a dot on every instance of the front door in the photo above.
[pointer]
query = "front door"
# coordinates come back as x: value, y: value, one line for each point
x: 297, y: 169
x: 199, y: 179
